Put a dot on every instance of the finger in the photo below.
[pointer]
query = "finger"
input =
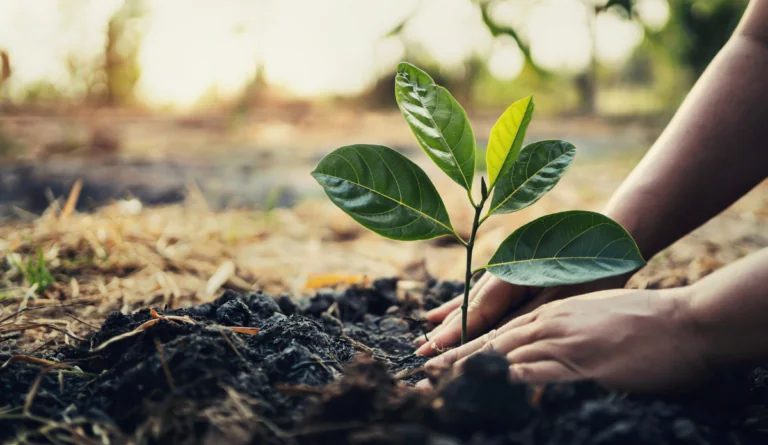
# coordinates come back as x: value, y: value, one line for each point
x: 420, y: 340
x: 531, y: 353
x: 490, y: 303
x: 457, y: 311
x: 515, y: 321
x: 530, y: 306
x: 453, y: 307
x: 502, y: 344
x: 542, y: 372
x: 439, y: 328
x: 478, y: 343
x: 440, y: 314
x: 423, y: 384
x: 449, y: 320
x: 448, y: 358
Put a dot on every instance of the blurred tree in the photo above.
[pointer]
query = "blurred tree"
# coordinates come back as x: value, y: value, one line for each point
x: 586, y: 82
x: 5, y: 68
x: 5, y: 73
x: 668, y: 61
x: 699, y: 28
x: 121, y: 65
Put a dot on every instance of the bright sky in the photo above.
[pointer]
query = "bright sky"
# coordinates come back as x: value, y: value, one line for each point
x: 308, y: 47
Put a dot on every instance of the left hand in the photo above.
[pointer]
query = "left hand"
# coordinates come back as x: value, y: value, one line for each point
x: 630, y: 340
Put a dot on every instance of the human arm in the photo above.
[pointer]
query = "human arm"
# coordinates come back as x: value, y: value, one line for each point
x: 712, y: 152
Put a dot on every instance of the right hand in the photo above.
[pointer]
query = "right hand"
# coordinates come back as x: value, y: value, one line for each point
x: 493, y: 302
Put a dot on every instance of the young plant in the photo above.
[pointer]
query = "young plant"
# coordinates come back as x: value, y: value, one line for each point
x: 35, y: 271
x: 390, y: 195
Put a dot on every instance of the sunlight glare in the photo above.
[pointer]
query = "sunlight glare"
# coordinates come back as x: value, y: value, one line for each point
x: 195, y: 49
x: 506, y: 61
x: 653, y: 13
x: 616, y: 38
x: 558, y: 37
x: 451, y: 31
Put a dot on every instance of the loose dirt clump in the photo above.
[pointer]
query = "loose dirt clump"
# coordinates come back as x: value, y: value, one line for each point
x: 336, y: 368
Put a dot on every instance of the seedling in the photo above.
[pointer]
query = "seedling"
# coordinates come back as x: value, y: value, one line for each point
x: 390, y: 195
x: 35, y: 271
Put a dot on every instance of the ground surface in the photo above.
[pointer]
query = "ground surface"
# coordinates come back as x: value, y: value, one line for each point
x: 307, y: 375
x: 331, y: 369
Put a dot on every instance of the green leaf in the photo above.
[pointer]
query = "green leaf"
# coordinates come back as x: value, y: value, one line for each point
x: 384, y: 191
x: 438, y: 122
x: 536, y: 170
x: 565, y: 248
x: 507, y: 137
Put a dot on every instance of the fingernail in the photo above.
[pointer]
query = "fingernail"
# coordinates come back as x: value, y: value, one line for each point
x: 428, y: 348
x: 423, y: 384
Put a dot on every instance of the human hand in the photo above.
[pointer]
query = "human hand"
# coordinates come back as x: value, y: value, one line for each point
x: 489, y: 301
x: 492, y: 303
x: 632, y: 340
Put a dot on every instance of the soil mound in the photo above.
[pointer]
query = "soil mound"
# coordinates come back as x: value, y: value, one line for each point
x: 336, y: 368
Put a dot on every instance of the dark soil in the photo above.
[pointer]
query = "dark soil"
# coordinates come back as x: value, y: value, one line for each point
x: 334, y: 369
x: 225, y: 183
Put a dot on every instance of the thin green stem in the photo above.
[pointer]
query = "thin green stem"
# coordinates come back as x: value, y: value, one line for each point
x: 460, y: 239
x: 468, y: 275
x: 471, y: 199
x: 478, y: 269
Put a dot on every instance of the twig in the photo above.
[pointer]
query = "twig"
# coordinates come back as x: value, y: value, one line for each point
x: 37, y: 308
x: 358, y: 345
x: 408, y: 372
x: 232, y: 345
x: 81, y: 321
x: 182, y: 318
x: 74, y: 195
x: 33, y: 324
x: 164, y: 364
x: 243, y: 330
x: 36, y: 386
x: 20, y: 358
x: 136, y: 331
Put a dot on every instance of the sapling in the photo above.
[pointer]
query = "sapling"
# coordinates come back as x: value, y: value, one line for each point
x: 392, y: 196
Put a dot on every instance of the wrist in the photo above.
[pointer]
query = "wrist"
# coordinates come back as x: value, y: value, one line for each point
x: 630, y: 209
x: 694, y: 337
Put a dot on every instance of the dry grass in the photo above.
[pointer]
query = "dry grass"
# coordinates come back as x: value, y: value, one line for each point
x: 125, y: 257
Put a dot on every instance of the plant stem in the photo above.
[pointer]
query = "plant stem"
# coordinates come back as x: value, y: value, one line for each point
x: 468, y: 275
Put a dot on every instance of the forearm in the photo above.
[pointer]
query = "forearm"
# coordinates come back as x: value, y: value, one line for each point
x: 713, y: 151
x: 727, y: 312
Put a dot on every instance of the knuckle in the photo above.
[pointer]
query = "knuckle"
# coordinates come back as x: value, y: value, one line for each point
x: 432, y: 365
x: 538, y: 330
x: 450, y: 358
x: 519, y: 372
x: 489, y: 346
x: 489, y: 337
x: 553, y: 327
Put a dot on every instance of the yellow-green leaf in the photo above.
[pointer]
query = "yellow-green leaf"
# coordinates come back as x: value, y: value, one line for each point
x: 506, y: 138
